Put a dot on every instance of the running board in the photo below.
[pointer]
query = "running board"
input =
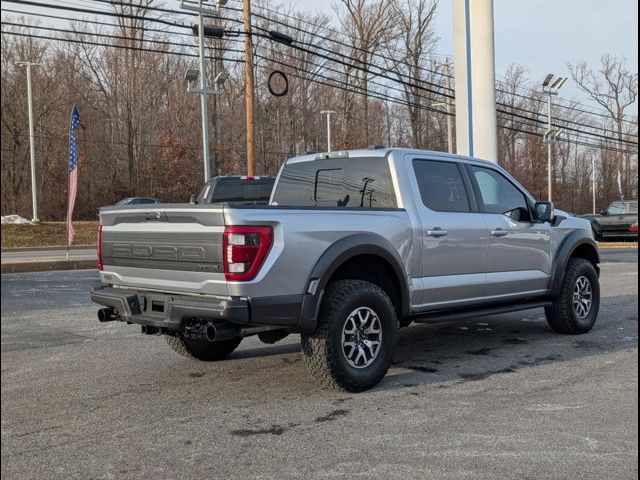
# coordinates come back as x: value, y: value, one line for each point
x: 461, y: 314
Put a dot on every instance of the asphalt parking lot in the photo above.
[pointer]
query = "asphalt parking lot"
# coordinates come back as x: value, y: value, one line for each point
x: 498, y: 397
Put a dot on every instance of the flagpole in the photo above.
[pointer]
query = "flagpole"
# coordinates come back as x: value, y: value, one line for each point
x: 68, y: 182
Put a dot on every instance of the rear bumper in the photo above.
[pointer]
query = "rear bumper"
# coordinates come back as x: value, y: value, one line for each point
x: 170, y: 312
x: 178, y: 312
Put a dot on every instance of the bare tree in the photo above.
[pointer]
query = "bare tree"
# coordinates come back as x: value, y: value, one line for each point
x: 615, y: 88
x: 367, y: 25
x: 415, y: 42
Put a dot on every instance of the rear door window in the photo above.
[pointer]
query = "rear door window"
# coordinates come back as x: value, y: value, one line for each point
x: 441, y: 186
x: 350, y: 182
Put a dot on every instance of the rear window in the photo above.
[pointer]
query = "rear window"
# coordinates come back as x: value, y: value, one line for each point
x: 350, y: 183
x: 230, y: 190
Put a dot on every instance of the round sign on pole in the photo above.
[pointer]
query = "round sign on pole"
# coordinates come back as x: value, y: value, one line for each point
x: 278, y: 84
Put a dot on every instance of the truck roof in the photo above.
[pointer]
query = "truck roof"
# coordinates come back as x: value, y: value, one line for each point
x: 382, y: 152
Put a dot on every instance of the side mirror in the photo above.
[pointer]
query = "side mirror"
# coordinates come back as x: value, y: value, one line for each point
x: 604, y: 212
x: 192, y: 200
x: 544, y: 211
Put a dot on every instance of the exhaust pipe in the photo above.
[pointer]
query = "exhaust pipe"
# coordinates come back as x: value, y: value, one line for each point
x: 213, y: 333
x: 107, y: 314
x: 219, y: 333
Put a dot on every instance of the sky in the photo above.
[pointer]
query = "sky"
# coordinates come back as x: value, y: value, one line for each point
x: 543, y: 35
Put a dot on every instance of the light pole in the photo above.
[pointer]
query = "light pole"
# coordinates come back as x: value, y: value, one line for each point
x: 201, y: 31
x: 191, y: 76
x: 447, y: 104
x: 593, y: 179
x: 449, y: 115
x: 32, y: 152
x: 551, y: 85
x: 328, y: 113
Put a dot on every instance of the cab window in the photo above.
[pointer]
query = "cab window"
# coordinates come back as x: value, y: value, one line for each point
x: 496, y: 194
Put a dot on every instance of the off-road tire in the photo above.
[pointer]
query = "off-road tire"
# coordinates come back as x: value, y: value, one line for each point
x: 195, y: 349
x: 561, y: 316
x: 322, y: 350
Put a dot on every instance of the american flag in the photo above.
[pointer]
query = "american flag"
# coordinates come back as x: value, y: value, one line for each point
x: 73, y: 172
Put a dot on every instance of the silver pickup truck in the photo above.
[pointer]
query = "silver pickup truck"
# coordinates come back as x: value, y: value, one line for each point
x: 352, y: 246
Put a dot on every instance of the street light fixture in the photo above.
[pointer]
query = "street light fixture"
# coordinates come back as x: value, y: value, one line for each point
x: 191, y: 75
x: 220, y: 79
x: 550, y: 86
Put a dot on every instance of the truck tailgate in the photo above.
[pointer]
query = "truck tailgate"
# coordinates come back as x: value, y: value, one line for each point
x: 169, y: 248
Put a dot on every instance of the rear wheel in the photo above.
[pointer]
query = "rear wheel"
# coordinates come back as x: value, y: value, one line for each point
x: 576, y: 309
x: 353, y: 345
x: 203, y: 350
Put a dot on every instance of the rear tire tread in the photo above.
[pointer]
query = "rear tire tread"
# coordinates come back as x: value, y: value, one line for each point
x: 317, y: 348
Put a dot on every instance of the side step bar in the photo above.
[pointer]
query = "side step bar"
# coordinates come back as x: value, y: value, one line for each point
x: 461, y: 314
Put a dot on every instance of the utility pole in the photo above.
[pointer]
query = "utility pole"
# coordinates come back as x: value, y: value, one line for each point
x: 32, y: 152
x: 328, y: 113
x: 551, y: 85
x: 249, y: 84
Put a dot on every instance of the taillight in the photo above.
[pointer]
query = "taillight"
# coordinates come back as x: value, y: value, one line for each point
x: 99, y: 248
x: 244, y: 251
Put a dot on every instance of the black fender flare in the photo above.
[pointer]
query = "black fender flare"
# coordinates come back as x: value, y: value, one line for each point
x: 566, y: 250
x: 338, y: 253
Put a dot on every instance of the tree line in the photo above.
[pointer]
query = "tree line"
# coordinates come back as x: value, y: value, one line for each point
x: 374, y: 63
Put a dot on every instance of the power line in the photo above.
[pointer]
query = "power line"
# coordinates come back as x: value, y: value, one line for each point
x: 383, y: 70
x: 118, y: 37
x: 351, y: 87
x: 126, y: 47
x: 378, y: 54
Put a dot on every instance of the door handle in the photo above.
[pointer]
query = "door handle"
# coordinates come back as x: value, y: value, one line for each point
x: 499, y: 232
x: 437, y: 232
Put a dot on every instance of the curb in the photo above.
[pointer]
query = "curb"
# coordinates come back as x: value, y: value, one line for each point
x: 47, y: 249
x: 48, y: 265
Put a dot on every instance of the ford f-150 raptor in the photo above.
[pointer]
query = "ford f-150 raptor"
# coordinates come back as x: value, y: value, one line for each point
x: 352, y: 246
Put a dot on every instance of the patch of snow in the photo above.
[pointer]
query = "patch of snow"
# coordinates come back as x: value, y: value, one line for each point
x: 13, y: 219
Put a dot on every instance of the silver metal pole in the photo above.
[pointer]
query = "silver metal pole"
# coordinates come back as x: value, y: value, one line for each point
x: 449, y: 109
x: 549, y: 151
x: 32, y: 151
x: 593, y: 175
x: 204, y: 107
x: 328, y: 113
x: 328, y: 132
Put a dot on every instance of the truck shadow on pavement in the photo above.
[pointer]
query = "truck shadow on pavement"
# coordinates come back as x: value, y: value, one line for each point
x: 475, y: 349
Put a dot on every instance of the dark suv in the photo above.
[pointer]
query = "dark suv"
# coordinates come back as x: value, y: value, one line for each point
x: 616, y: 221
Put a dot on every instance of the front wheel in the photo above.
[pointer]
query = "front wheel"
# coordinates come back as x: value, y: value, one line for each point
x: 576, y: 309
x: 353, y: 345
